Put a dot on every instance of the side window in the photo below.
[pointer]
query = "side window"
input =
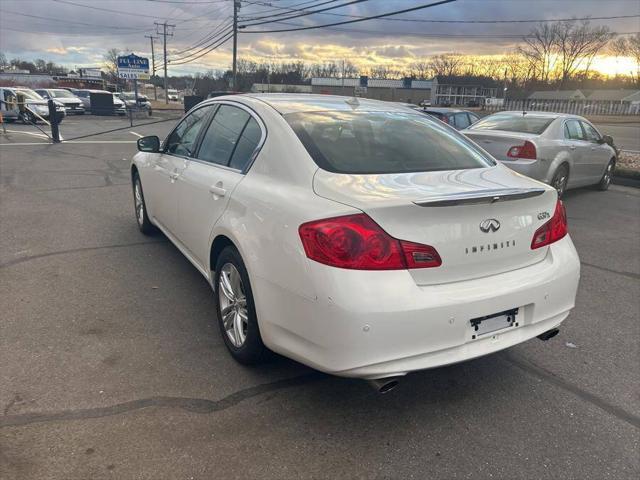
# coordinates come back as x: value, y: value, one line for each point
x: 573, y: 131
x: 451, y: 120
x: 473, y: 118
x: 462, y: 121
x: 182, y: 139
x: 592, y: 133
x: 246, y: 145
x: 222, y: 138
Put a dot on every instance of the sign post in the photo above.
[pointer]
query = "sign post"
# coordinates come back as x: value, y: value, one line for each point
x: 133, y: 67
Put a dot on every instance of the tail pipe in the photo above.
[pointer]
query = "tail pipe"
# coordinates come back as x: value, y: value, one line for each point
x: 384, y: 385
x: 549, y: 334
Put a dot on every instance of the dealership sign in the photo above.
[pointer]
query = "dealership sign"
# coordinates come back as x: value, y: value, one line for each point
x: 132, y: 67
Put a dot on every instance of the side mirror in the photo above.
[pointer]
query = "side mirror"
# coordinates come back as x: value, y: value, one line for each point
x: 608, y: 139
x: 149, y: 144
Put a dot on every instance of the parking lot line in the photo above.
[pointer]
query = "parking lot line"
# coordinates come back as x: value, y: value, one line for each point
x: 136, y: 134
x: 40, y: 135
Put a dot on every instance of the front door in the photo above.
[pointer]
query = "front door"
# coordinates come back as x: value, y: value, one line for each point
x: 225, y: 152
x: 171, y: 164
x: 599, y: 153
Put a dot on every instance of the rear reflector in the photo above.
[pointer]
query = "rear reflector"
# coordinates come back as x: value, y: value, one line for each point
x: 528, y: 151
x: 357, y: 242
x: 553, y: 230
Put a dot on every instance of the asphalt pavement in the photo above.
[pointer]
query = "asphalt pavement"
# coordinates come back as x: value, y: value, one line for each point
x: 625, y: 136
x: 112, y: 366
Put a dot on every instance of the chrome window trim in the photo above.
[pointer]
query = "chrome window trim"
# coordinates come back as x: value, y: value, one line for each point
x: 163, y: 150
x: 256, y: 151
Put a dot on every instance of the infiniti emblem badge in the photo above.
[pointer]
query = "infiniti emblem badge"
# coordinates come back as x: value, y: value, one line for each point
x: 489, y: 225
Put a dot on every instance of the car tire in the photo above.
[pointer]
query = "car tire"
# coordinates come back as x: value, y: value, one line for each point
x: 140, y: 207
x: 28, y: 118
x: 233, y: 294
x: 605, y: 181
x: 561, y: 179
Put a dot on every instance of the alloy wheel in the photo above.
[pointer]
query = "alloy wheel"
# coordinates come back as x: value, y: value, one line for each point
x: 233, y: 304
x: 139, y: 202
x: 560, y: 183
x: 606, y: 179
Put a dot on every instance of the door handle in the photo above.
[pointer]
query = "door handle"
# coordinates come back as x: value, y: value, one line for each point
x: 217, y: 190
x: 174, y: 176
x: 572, y: 147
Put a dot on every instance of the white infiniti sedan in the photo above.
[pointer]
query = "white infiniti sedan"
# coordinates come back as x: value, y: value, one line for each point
x: 358, y: 237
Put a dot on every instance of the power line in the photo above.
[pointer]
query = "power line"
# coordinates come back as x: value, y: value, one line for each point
x: 219, y: 44
x: 421, y: 20
x: 290, y: 9
x: 373, y: 17
x: 435, y: 35
x: 216, y: 31
x: 309, y: 12
x: 134, y: 14
x: 220, y: 34
x: 275, y: 9
x: 73, y: 21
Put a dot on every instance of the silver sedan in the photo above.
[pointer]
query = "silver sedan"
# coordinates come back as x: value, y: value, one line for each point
x: 565, y: 151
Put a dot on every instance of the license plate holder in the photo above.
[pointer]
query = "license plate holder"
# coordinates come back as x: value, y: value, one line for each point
x: 492, y: 323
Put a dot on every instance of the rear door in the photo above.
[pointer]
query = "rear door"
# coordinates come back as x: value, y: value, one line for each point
x: 226, y: 151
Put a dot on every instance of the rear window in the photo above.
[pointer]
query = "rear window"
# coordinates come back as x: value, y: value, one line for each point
x: 514, y: 123
x: 383, y: 142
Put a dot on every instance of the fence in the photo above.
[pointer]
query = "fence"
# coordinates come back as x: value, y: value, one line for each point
x: 576, y: 107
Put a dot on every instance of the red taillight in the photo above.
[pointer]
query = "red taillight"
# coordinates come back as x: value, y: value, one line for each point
x: 553, y: 230
x: 528, y: 150
x: 358, y: 243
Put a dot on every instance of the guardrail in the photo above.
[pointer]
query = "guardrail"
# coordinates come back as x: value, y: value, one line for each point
x: 575, y: 107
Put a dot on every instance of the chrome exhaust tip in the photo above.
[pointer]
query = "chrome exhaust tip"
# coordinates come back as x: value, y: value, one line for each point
x: 549, y: 334
x: 384, y: 385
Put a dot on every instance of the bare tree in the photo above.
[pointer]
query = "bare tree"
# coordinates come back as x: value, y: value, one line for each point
x: 384, y: 72
x: 111, y: 61
x: 629, y: 47
x: 539, y: 49
x: 448, y: 64
x: 420, y: 70
x: 577, y: 45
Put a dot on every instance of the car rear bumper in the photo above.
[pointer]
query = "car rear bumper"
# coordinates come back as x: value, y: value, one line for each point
x: 380, y: 324
x: 530, y: 168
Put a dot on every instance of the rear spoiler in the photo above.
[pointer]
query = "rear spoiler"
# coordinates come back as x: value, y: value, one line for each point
x: 480, y: 197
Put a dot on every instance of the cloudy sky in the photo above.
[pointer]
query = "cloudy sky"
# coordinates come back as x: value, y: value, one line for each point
x: 78, y: 32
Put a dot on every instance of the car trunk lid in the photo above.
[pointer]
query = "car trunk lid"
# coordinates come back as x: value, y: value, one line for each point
x: 497, y: 142
x: 481, y: 221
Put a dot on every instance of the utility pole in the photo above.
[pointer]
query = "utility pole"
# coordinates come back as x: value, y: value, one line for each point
x: 153, y: 65
x: 236, y: 7
x: 164, y: 34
